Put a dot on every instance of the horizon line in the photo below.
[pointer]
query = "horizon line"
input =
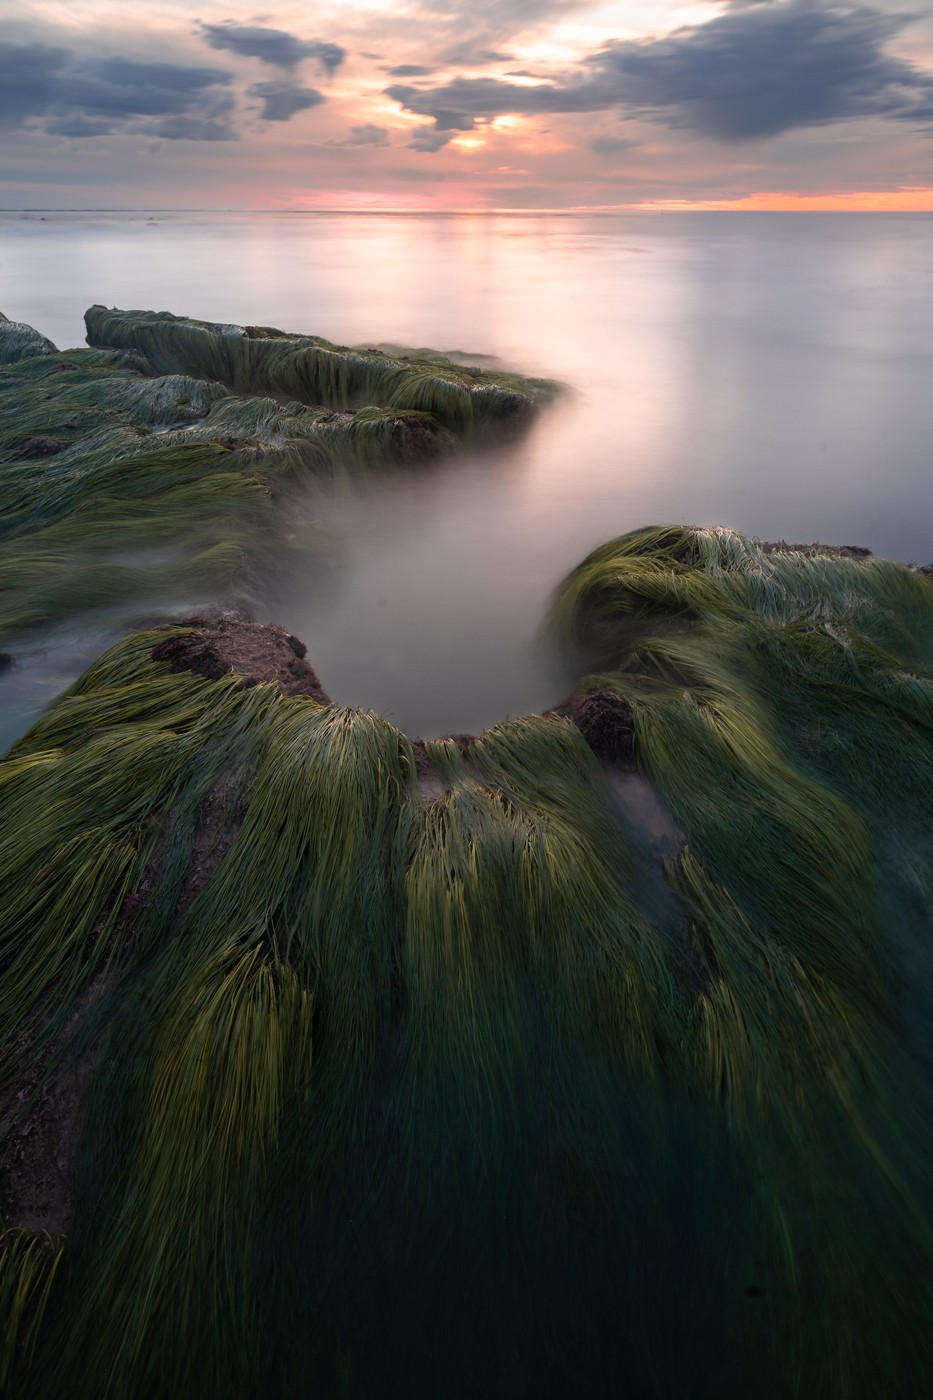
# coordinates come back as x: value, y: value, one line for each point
x: 661, y: 207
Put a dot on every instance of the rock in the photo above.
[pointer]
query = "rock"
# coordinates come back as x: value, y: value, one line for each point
x: 838, y: 551
x: 41, y: 447
x: 222, y: 644
x: 21, y: 342
x: 605, y: 720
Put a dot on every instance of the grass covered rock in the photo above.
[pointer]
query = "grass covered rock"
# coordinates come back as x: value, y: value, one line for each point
x: 588, y: 1056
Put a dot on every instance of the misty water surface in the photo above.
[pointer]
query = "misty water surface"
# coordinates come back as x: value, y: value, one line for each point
x: 768, y: 372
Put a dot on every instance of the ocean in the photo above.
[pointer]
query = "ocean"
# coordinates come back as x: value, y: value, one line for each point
x: 768, y: 372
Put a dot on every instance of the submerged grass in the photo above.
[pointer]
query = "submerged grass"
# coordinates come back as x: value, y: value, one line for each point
x: 423, y: 1098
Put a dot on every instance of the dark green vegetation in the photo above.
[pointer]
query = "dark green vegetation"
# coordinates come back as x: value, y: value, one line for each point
x: 131, y: 475
x: 20, y: 342
x: 119, y: 484
x: 422, y: 1072
x: 469, y: 401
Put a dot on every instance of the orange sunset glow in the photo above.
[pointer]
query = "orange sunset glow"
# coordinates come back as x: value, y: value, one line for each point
x: 892, y: 201
x: 776, y: 105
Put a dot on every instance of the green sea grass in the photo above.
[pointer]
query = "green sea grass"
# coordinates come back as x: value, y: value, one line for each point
x: 28, y: 1263
x: 469, y: 1089
x: 120, y: 488
x: 466, y: 400
x: 123, y: 485
x: 21, y: 342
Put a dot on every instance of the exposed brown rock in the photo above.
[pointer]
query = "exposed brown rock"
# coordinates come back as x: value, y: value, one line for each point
x: 258, y: 652
x: 838, y: 551
x: 463, y: 741
x: 605, y: 720
x: 40, y: 1126
x: 41, y: 447
x: 419, y: 440
x: 219, y: 817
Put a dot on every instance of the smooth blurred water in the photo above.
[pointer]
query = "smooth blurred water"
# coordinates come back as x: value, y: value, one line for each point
x: 769, y: 372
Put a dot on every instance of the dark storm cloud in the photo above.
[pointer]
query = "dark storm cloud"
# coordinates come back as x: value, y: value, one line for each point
x: 74, y: 96
x: 274, y: 46
x: 368, y: 135
x: 280, y: 101
x: 766, y: 68
x: 756, y: 71
x: 116, y: 87
x: 28, y: 80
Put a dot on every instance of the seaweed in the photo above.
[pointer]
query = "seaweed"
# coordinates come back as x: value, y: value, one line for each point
x: 309, y: 369
x: 406, y: 1088
x: 120, y: 486
x: 388, y: 1069
x: 151, y: 473
x: 21, y: 342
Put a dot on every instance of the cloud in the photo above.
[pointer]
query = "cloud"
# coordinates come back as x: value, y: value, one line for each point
x: 193, y: 129
x: 765, y: 68
x: 28, y: 80
x: 500, y: 17
x: 610, y: 145
x: 465, y: 56
x: 409, y: 70
x: 77, y: 127
x: 280, y: 100
x: 368, y: 135
x: 429, y: 138
x: 456, y: 105
x: 74, y: 96
x: 274, y: 46
x: 118, y: 87
x: 755, y: 71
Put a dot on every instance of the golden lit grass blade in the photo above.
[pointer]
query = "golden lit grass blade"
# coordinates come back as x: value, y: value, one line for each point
x: 604, y: 971
x: 225, y: 1059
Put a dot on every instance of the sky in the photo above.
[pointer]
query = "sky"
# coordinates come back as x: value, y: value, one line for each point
x: 494, y: 104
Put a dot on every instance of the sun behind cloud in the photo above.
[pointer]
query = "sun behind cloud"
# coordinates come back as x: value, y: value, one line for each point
x: 777, y: 104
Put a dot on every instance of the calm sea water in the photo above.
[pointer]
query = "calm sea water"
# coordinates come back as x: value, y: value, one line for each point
x: 773, y: 373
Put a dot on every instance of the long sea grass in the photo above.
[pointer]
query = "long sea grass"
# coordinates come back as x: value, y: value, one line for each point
x: 399, y: 1096
x: 312, y: 370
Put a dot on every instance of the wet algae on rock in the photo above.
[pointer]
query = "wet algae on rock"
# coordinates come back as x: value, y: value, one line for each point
x: 424, y: 1069
x: 468, y: 400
